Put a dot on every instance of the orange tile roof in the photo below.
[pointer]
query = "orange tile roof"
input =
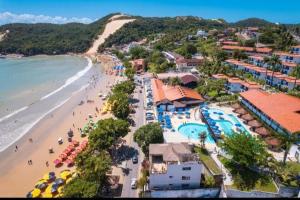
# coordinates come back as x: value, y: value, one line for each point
x: 264, y: 50
x: 230, y: 43
x: 287, y: 54
x: 257, y: 57
x: 280, y: 107
x: 263, y: 70
x: 289, y: 64
x: 249, y: 85
x: 163, y: 92
x: 228, y: 47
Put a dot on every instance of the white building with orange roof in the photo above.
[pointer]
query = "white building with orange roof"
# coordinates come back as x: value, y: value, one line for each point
x: 170, y: 97
x: 280, y: 111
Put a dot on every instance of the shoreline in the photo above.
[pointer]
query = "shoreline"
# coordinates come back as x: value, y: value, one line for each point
x: 16, y: 176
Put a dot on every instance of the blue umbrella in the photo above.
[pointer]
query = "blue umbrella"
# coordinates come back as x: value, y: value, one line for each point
x: 59, y: 181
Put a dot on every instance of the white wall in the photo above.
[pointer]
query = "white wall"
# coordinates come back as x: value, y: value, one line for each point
x: 175, y: 170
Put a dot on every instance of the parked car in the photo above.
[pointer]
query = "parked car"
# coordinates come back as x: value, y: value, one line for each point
x: 133, y: 183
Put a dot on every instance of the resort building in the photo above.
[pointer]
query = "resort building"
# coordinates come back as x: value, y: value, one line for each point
x: 138, y: 65
x: 201, y: 33
x: 280, y: 111
x: 288, y: 57
x: 279, y: 79
x: 187, y: 79
x: 231, y: 43
x: 296, y: 49
x: 171, y: 97
x: 172, y: 56
x: 247, y: 50
x: 174, y: 166
x: 184, y: 64
x: 236, y: 85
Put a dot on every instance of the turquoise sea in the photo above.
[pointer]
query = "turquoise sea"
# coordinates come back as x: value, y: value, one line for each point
x: 32, y: 87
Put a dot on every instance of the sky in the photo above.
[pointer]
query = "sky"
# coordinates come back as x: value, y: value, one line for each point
x: 86, y: 11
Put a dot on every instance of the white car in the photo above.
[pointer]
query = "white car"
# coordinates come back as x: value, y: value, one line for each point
x: 104, y: 97
x: 133, y: 183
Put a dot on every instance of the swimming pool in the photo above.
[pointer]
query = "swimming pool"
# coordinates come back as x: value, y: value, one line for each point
x: 192, y: 130
x: 226, y: 122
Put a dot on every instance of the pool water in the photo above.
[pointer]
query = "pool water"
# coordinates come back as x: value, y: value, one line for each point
x: 192, y: 130
x: 226, y: 125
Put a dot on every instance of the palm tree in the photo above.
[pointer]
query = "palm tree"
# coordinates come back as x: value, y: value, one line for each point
x: 274, y: 63
x: 288, y: 140
x: 296, y: 73
x: 202, y: 138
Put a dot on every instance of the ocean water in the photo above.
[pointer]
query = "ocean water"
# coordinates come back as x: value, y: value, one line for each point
x: 32, y: 87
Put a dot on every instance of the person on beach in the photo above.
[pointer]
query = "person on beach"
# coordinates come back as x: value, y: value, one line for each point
x: 47, y: 164
x: 30, y: 162
x: 16, y: 148
x: 30, y: 139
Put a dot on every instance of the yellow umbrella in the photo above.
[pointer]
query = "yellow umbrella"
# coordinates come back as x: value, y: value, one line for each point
x: 65, y: 174
x: 48, y: 189
x: 60, y: 190
x: 35, y: 193
x: 47, y: 195
x: 68, y: 180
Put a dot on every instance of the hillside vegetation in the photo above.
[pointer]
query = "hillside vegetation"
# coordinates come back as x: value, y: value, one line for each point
x: 42, y: 38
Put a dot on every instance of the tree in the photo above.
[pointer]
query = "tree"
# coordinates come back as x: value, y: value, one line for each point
x: 275, y: 64
x: 107, y: 133
x: 80, y: 188
x: 296, y: 74
x: 138, y: 52
x: 148, y: 134
x: 129, y: 72
x: 246, y: 150
x: 237, y: 54
x: 174, y: 81
x: 125, y: 87
x: 209, y: 181
x: 202, y: 138
x: 288, y: 140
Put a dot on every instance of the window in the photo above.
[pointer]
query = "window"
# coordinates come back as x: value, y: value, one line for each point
x: 170, y: 176
x: 186, y: 168
x: 185, y: 178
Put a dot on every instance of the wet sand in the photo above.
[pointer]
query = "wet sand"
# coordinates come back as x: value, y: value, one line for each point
x: 16, y: 176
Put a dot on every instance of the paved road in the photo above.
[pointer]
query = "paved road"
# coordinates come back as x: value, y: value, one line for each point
x: 134, y: 168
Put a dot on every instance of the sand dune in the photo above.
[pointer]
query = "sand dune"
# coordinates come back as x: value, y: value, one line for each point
x: 110, y: 28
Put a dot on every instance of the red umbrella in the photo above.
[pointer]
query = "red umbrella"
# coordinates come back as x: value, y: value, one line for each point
x: 72, y: 157
x: 63, y: 156
x: 78, y: 151
x: 71, y: 146
x: 74, y: 153
x: 70, y: 163
x: 67, y: 151
x: 57, y: 162
x: 75, y: 143
x: 85, y: 141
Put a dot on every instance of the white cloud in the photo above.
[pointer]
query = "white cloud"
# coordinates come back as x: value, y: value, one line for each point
x: 7, y: 17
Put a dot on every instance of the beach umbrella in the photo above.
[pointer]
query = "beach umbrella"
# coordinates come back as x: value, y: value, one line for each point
x: 57, y: 162
x: 41, y: 184
x: 47, y: 195
x: 49, y: 176
x: 72, y: 157
x: 74, y: 153
x: 71, y: 146
x: 75, y: 143
x: 65, y: 174
x: 67, y: 151
x: 70, y: 162
x: 63, y: 156
x: 34, y: 193
x: 59, y: 181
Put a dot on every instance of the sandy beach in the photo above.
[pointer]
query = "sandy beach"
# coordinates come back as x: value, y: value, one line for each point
x: 16, y: 176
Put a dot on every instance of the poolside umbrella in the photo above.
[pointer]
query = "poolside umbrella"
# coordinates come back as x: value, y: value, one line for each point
x: 262, y: 131
x: 273, y: 141
x: 254, y: 124
x: 240, y: 111
x: 236, y: 106
x: 41, y: 184
x: 247, y: 117
x: 59, y: 181
x: 57, y: 162
x: 65, y: 174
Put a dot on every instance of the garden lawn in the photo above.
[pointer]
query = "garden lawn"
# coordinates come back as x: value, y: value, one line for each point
x: 208, y: 161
